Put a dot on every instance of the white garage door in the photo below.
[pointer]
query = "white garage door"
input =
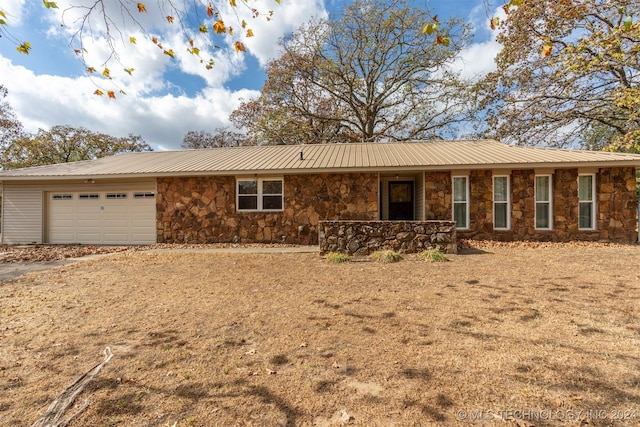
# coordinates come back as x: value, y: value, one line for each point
x: 102, y: 217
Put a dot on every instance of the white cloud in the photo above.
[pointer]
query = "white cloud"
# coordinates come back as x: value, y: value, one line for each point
x: 15, y: 11
x: 288, y: 17
x: 478, y: 59
x: 42, y: 101
x: 151, y: 108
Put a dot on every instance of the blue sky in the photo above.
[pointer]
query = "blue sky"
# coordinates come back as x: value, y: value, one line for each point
x: 166, y: 97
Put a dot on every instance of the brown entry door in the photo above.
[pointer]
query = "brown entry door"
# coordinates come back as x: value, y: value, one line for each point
x: 401, y: 200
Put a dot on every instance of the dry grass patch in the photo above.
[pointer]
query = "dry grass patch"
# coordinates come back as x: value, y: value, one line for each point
x: 337, y: 257
x: 290, y: 339
x: 433, y: 255
x: 386, y: 256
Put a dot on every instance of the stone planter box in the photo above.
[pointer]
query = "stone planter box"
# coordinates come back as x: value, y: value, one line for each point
x: 365, y: 237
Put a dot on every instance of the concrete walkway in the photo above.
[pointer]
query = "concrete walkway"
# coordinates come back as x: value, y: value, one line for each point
x: 12, y: 270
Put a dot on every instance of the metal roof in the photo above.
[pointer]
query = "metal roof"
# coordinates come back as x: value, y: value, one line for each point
x: 286, y: 159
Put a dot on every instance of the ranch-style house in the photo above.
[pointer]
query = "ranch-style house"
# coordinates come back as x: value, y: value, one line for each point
x: 285, y: 193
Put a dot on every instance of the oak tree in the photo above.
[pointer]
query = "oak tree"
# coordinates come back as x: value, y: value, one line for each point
x: 371, y: 73
x: 220, y: 137
x: 10, y: 126
x: 64, y: 144
x: 568, y: 74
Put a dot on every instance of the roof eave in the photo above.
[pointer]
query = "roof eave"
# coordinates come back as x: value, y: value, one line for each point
x: 292, y: 171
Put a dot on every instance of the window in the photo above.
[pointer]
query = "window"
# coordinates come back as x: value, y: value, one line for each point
x: 501, y: 203
x: 144, y: 195
x: 461, y: 201
x: 543, y: 202
x: 586, y: 199
x: 62, y: 196
x: 261, y: 194
x: 85, y: 196
x: 116, y: 195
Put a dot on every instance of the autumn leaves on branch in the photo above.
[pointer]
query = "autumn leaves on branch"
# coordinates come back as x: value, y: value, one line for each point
x: 214, y: 23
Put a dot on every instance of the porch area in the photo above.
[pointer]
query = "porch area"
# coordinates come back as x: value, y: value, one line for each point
x: 365, y: 237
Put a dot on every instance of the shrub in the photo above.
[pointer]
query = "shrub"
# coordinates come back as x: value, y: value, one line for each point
x: 337, y: 257
x: 433, y: 255
x: 386, y: 256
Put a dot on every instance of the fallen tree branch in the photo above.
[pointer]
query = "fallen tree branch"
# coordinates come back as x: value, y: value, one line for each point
x: 60, y: 405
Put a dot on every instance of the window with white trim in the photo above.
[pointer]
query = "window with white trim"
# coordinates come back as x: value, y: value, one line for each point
x: 260, y: 194
x: 501, y: 203
x: 586, y: 202
x: 461, y: 201
x: 543, y: 202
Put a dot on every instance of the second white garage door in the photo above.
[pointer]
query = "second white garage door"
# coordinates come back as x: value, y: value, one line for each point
x: 102, y: 217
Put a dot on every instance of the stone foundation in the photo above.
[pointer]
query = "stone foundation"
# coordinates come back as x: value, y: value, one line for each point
x: 366, y: 237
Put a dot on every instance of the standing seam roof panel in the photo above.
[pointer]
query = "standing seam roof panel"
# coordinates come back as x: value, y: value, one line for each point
x: 415, y: 154
x: 333, y: 159
x: 405, y: 156
x: 375, y: 151
x: 320, y: 157
x: 347, y: 156
x: 327, y: 157
x: 395, y: 161
x: 294, y: 162
x: 361, y: 156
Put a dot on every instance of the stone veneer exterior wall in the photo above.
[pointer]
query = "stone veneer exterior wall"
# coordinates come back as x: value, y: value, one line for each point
x: 437, y: 187
x: 616, y: 212
x: 366, y: 237
x: 481, y: 201
x: 203, y: 209
x: 617, y: 205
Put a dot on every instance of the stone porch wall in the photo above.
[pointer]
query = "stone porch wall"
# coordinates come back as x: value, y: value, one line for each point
x: 366, y: 237
x: 203, y: 209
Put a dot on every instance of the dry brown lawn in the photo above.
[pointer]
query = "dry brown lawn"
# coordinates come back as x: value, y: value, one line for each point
x: 536, y: 337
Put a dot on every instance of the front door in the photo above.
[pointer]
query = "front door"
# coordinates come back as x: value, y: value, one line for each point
x: 401, y: 200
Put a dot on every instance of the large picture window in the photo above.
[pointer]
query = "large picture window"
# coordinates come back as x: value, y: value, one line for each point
x: 461, y: 201
x: 501, y: 203
x: 543, y: 202
x: 586, y: 202
x: 260, y: 194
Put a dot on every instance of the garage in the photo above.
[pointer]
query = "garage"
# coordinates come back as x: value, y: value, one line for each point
x: 101, y: 217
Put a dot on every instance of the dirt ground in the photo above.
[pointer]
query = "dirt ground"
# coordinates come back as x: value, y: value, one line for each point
x: 499, y: 335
